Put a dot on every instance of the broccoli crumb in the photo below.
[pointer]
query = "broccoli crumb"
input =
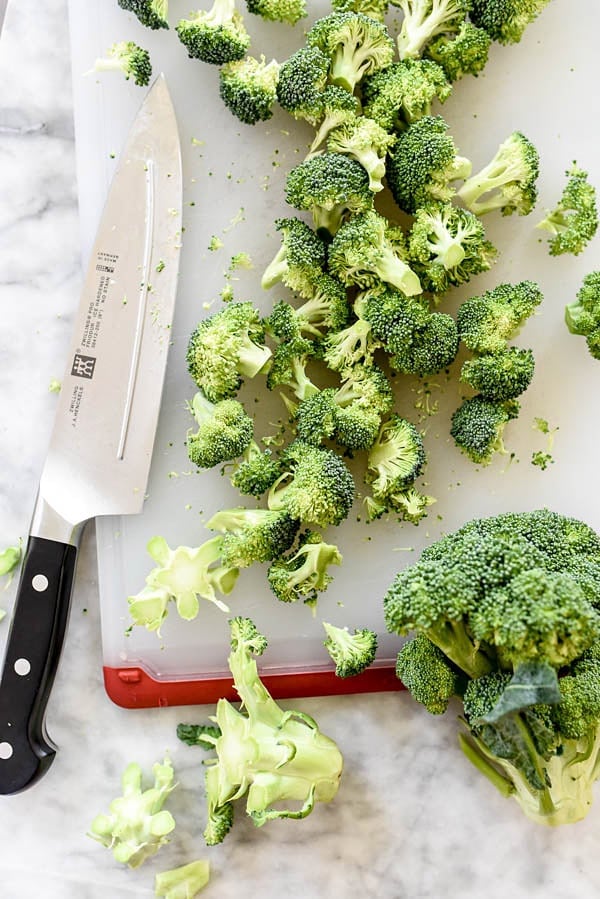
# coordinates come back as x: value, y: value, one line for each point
x: 160, y: 266
x: 541, y: 460
x: 54, y: 386
x: 215, y: 243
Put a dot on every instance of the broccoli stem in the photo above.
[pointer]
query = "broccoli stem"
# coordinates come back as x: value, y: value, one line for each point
x: 495, y: 175
x: 275, y: 269
x: 478, y: 756
x: 252, y: 358
x: 448, y: 250
x: 347, y: 65
x: 396, y: 272
x: 452, y: 638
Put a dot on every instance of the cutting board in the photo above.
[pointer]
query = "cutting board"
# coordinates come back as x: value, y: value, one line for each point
x: 234, y: 189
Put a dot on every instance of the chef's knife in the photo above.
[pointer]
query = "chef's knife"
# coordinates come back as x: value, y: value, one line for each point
x: 101, y: 445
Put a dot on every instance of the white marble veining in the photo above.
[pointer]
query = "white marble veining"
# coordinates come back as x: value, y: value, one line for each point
x: 411, y: 821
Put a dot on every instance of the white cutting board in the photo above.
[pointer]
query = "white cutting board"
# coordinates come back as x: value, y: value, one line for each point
x: 544, y: 87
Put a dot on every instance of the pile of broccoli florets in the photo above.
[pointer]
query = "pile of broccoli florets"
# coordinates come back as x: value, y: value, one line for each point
x: 505, y: 615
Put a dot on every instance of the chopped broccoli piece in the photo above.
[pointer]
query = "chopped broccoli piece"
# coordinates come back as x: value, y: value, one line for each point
x: 408, y: 505
x: 128, y: 58
x: 500, y: 376
x: 354, y: 345
x: 288, y: 11
x: 203, y: 735
x: 255, y: 471
x: 327, y: 309
x: 226, y: 347
x: 265, y: 753
x: 507, y: 182
x: 253, y: 535
x: 299, y: 261
x: 182, y: 575
x: 574, y: 220
x: 151, y: 13
x: 337, y: 106
x: 215, y: 36
x: 423, y: 163
x: 10, y: 559
x: 375, y: 9
x: 290, y: 361
x: 351, y: 652
x: 248, y: 87
x: 329, y: 186
x: 301, y: 85
x: 505, y: 20
x: 582, y: 316
x: 427, y: 674
x: 315, y: 487
x: 303, y: 573
x: 396, y: 458
x: 447, y: 246
x: 357, y: 45
x: 137, y: 825
x: 224, y: 431
x: 425, y: 19
x: 184, y: 882
x: 486, y: 323
x: 402, y: 93
x: 460, y: 54
x: 478, y: 427
x: 363, y: 139
x: 363, y: 253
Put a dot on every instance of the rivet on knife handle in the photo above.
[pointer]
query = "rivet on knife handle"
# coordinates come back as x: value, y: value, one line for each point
x: 31, y: 660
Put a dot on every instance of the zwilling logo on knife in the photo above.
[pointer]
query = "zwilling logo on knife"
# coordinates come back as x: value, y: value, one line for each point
x: 83, y: 366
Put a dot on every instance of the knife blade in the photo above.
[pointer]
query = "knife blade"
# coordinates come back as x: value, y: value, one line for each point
x: 101, y: 444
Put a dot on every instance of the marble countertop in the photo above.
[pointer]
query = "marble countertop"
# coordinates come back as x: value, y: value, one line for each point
x: 412, y: 820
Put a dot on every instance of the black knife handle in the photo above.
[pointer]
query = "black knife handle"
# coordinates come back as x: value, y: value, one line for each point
x: 32, y: 654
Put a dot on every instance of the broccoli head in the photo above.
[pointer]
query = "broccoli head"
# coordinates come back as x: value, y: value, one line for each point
x: 427, y: 674
x: 215, y: 36
x: 424, y: 19
x: 396, y: 459
x: 582, y: 316
x: 486, y: 323
x: 500, y: 376
x: 151, y: 13
x: 299, y: 261
x: 329, y: 186
x: 363, y: 139
x: 460, y: 54
x: 351, y: 652
x: 128, y: 58
x: 303, y: 573
x: 375, y: 9
x: 574, y: 220
x: 253, y: 535
x: 357, y: 45
x: 423, y: 163
x: 478, y: 427
x: 404, y: 92
x: 224, y: 348
x: 301, y: 85
x: 508, y: 182
x: 505, y: 20
x: 224, y: 431
x: 269, y: 755
x: 255, y: 471
x: 248, y: 88
x: 288, y: 11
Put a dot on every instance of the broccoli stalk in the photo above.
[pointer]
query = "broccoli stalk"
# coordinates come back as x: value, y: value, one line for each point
x: 269, y: 755
x: 351, y: 652
x: 184, y: 882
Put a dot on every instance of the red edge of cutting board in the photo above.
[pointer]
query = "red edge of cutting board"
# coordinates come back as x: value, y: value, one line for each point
x: 135, y: 688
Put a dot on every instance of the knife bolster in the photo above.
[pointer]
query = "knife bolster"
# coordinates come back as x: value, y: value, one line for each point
x: 50, y: 525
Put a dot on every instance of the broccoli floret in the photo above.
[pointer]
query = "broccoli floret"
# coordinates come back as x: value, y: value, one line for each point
x: 265, y: 753
x: 315, y: 487
x: 505, y: 20
x: 500, y: 376
x: 215, y: 36
x: 375, y: 9
x: 303, y: 574
x: 464, y: 53
x: 224, y: 431
x: 151, y: 13
x: 302, y: 80
x: 181, y: 576
x: 363, y: 139
x: 329, y: 186
x: 137, y: 825
x: 424, y: 19
x: 583, y: 315
x: 255, y: 472
x: 357, y: 45
x: 337, y: 106
x: 128, y: 58
x: 248, y: 88
x: 288, y: 11
x: 253, y: 535
x: 574, y: 220
x: 299, y: 261
x: 351, y: 415
x: 288, y: 368
x: 508, y: 182
x: 486, y: 323
x: 396, y: 458
x: 326, y: 310
x: 419, y: 342
x: 478, y: 427
x: 351, y: 652
x: 578, y: 712
x: 423, y: 163
x: 363, y: 254
x: 427, y: 674
x: 403, y: 92
x: 448, y: 246
x: 354, y: 345
x: 185, y: 881
x: 226, y: 347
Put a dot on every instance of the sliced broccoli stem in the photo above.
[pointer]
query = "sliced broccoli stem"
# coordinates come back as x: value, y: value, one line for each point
x: 395, y: 271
